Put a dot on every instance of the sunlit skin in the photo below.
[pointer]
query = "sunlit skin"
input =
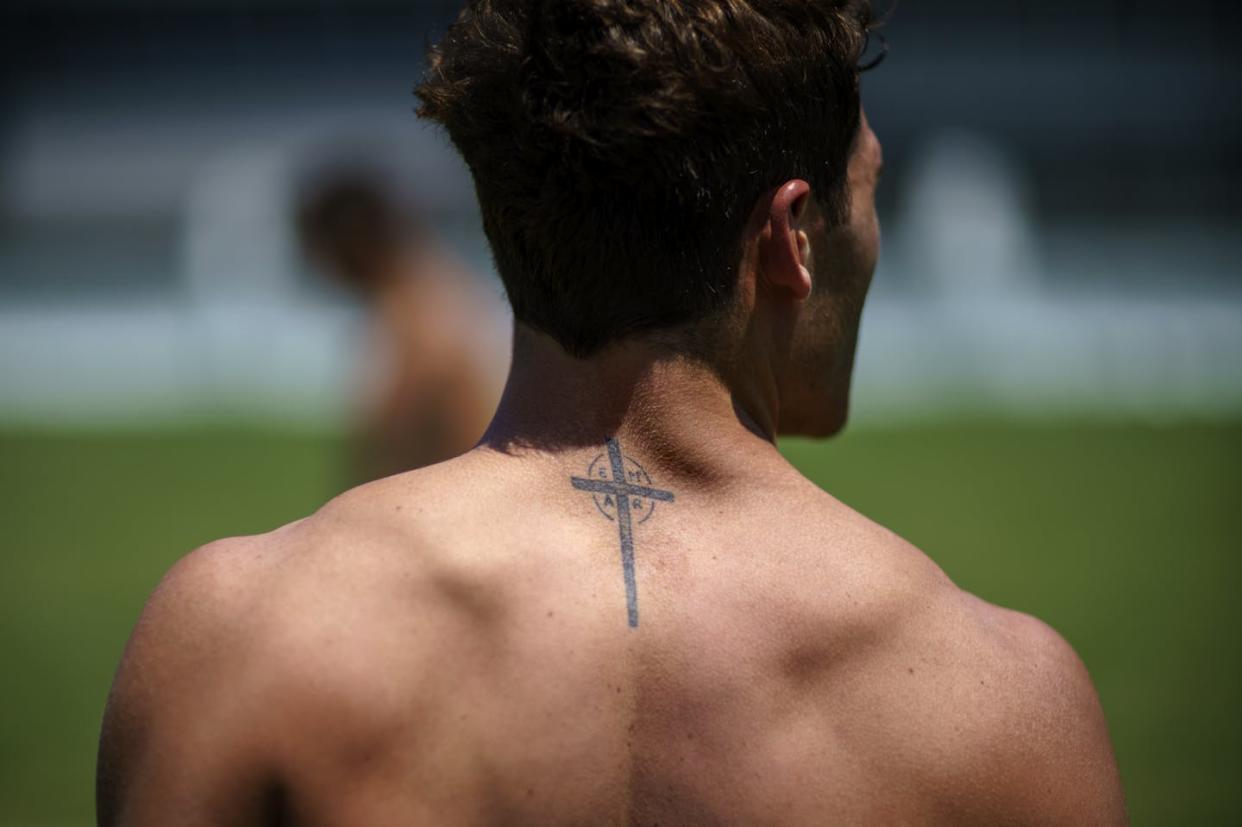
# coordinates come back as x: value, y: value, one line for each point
x: 431, y: 388
x: 427, y: 383
x: 451, y: 646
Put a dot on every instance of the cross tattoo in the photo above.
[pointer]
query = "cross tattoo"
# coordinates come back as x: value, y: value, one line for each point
x: 622, y: 491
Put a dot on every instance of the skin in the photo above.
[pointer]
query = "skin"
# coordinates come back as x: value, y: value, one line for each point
x: 430, y: 386
x: 450, y: 646
x: 433, y: 388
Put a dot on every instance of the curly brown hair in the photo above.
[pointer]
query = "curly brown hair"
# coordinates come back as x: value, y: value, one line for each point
x: 618, y: 146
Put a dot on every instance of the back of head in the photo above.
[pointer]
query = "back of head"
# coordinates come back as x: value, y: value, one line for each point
x: 351, y: 220
x: 618, y: 146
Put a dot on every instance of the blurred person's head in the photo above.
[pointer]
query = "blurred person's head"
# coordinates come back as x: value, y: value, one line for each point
x: 354, y: 226
x: 696, y: 175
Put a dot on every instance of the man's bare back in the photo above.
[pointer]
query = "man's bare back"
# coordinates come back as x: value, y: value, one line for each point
x: 452, y: 646
x: 624, y: 607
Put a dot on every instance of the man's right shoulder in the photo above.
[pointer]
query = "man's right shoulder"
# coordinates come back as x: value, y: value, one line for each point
x: 1010, y: 718
x: 994, y: 705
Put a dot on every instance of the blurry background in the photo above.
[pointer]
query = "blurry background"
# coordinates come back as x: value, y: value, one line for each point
x: 1049, y: 388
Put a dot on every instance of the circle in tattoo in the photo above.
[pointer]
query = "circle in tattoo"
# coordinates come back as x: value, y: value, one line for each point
x: 641, y: 508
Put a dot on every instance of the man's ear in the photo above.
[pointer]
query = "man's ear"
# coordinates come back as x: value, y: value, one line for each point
x: 784, y: 248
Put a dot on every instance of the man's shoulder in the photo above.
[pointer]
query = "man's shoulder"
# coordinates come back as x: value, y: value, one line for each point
x: 370, y: 540
x: 256, y: 654
x: 994, y: 704
x: 352, y: 560
x: 1010, y: 710
x: 295, y: 620
x: 172, y: 712
x: 206, y: 602
x: 206, y: 632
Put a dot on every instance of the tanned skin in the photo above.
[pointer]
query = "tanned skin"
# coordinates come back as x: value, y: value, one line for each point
x: 472, y: 643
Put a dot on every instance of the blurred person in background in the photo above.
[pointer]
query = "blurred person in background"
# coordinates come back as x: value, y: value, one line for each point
x: 429, y: 382
x: 624, y: 606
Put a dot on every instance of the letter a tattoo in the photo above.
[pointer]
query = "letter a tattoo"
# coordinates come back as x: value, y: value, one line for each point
x: 623, y: 493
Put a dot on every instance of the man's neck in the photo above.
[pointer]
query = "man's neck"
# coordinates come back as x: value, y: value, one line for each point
x: 678, y: 414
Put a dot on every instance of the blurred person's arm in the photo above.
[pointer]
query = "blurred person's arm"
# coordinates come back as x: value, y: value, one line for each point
x: 440, y: 359
x: 191, y: 724
x: 438, y: 411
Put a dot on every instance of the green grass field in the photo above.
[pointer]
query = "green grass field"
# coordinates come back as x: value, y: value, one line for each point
x: 1128, y: 539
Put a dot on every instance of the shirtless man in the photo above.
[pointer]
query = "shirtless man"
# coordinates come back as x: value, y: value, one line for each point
x: 623, y: 607
x: 429, y: 381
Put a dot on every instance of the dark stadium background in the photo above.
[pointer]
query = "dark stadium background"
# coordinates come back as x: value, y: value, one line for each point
x: 1049, y: 392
